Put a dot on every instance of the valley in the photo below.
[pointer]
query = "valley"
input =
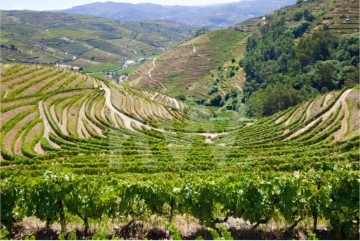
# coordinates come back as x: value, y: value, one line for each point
x: 97, y: 44
x: 171, y: 132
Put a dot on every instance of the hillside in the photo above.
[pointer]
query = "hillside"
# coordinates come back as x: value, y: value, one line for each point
x: 301, y: 51
x: 192, y: 68
x: 250, y: 132
x: 269, y: 63
x: 90, y: 42
x: 148, y: 148
x: 219, y: 15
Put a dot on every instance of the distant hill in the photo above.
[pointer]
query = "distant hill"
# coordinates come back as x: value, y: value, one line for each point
x: 195, y: 67
x: 47, y: 37
x: 218, y: 15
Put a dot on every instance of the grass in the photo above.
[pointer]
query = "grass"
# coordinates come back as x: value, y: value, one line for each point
x: 129, y: 70
x: 102, y: 68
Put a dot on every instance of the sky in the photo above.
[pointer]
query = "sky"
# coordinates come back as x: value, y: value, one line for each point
x: 63, y: 4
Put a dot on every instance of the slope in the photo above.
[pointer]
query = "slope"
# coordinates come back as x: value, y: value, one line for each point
x: 44, y: 37
x: 193, y: 67
x: 70, y: 108
x: 301, y: 51
x: 107, y: 146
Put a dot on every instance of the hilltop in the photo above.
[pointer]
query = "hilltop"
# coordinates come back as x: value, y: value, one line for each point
x: 219, y: 15
x: 90, y: 42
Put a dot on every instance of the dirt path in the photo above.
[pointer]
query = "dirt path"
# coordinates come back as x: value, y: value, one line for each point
x: 127, y: 120
x: 280, y: 119
x: 155, y: 96
x: 177, y: 105
x: 149, y: 74
x: 83, y: 118
x: 6, y: 94
x: 47, y: 126
x: 13, y: 132
x: 291, y: 117
x: 95, y: 83
x: 222, y: 92
x: 18, y: 145
x: 239, y: 87
x: 62, y: 123
x: 308, y: 110
x: 135, y: 52
x: 152, y: 67
x: 81, y: 130
x: 344, y: 122
x: 212, y: 135
x: 38, y: 149
x: 113, y: 119
x: 327, y: 99
x: 340, y: 103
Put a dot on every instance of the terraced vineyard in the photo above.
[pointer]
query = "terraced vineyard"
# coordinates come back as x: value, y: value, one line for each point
x: 344, y: 18
x: 91, y: 42
x: 74, y: 144
x: 187, y: 69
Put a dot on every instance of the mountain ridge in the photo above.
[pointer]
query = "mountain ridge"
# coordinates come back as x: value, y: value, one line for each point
x: 215, y: 16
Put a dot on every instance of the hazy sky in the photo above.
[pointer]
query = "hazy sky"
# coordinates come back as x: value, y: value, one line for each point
x: 62, y: 4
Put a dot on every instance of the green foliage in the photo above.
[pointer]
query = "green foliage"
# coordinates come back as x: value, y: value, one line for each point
x: 4, y: 234
x: 61, y: 237
x: 10, y: 193
x: 72, y: 235
x: 318, y: 61
x: 253, y: 198
x: 201, y: 32
x: 175, y: 234
x: 216, y: 101
x: 213, y: 89
x: 181, y: 97
x: 100, y: 235
x: 311, y: 235
x: 225, y: 233
x: 272, y: 99
x: 31, y: 237
x: 214, y: 234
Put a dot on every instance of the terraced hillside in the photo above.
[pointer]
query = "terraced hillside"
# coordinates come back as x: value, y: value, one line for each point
x: 126, y: 154
x: 90, y: 42
x: 343, y: 18
x: 191, y: 68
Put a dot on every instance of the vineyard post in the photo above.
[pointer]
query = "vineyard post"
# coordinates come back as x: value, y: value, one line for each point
x: 316, y: 214
x: 62, y: 215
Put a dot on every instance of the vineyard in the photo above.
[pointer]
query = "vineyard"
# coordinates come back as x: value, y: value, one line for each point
x: 189, y: 69
x: 91, y: 42
x: 77, y: 149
